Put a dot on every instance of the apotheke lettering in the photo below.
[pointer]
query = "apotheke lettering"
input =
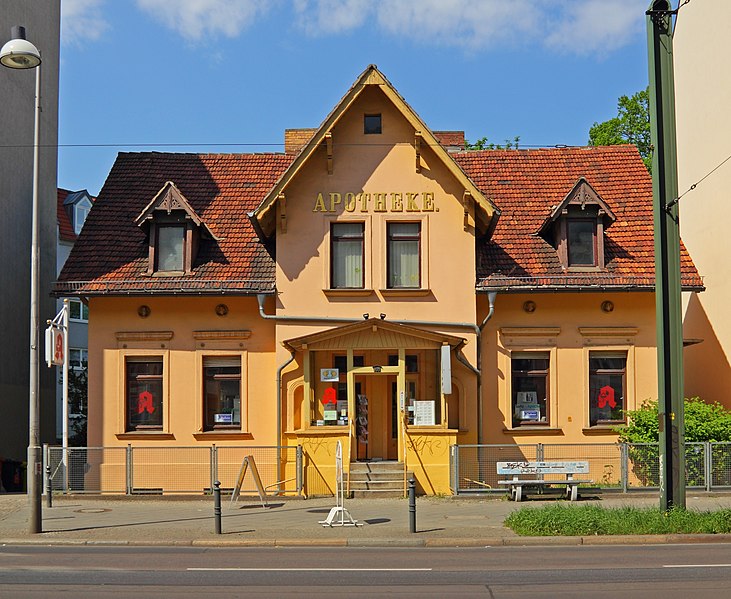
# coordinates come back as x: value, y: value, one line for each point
x: 394, y: 201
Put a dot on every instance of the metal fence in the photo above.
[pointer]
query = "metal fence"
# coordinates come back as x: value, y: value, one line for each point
x: 622, y: 467
x: 158, y: 470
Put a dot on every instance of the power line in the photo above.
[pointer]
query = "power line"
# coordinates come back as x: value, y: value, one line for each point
x: 703, y: 178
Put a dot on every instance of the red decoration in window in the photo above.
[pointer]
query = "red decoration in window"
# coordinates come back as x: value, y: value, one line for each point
x: 329, y: 396
x: 144, y: 403
x: 606, y: 396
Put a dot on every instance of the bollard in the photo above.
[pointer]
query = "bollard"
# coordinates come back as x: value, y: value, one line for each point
x: 49, y: 486
x: 217, y: 505
x: 412, y: 505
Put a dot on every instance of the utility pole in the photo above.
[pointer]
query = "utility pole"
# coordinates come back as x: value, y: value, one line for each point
x: 667, y: 255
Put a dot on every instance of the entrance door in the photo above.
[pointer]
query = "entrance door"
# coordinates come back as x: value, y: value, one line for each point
x: 373, y: 418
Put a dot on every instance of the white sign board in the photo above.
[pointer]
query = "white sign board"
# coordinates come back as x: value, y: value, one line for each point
x: 54, y: 346
x: 424, y: 414
x: 329, y: 375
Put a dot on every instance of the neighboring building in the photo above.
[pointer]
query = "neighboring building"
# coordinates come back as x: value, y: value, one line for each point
x: 17, y: 92
x: 702, y: 96
x: 339, y: 292
x: 72, y: 209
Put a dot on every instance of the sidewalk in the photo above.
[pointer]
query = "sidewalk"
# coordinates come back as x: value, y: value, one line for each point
x: 442, y: 522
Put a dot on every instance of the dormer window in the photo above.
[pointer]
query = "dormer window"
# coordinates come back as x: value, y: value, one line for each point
x: 81, y: 211
x: 173, y: 229
x: 77, y: 205
x: 576, y: 227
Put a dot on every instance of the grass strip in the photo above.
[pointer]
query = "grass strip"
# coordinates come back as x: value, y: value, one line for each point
x: 567, y: 520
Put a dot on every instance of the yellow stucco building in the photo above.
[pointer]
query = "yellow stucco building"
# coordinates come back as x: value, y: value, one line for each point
x: 375, y: 285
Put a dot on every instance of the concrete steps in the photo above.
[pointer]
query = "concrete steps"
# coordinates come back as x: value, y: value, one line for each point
x: 375, y: 480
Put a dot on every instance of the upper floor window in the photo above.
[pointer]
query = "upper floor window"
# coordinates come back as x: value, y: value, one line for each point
x: 607, y: 387
x: 404, y: 255
x: 81, y: 211
x: 529, y: 384
x: 347, y: 268
x: 78, y: 310
x: 372, y: 124
x: 170, y: 248
x: 78, y: 358
x: 581, y: 241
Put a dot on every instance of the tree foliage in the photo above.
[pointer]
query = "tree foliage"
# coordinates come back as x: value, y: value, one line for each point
x: 78, y: 392
x: 484, y: 144
x: 703, y: 422
x: 630, y: 126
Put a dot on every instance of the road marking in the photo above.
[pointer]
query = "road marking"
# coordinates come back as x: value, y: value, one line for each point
x: 697, y: 566
x: 308, y: 569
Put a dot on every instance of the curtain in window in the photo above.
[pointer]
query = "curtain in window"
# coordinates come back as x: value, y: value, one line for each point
x: 170, y: 248
x: 347, y: 259
x: 403, y: 255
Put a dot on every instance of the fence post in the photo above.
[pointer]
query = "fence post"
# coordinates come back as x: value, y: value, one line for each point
x: 128, y: 469
x: 708, y: 464
x: 298, y: 467
x: 624, y: 469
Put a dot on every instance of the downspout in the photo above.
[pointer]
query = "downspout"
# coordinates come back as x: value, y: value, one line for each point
x: 279, y: 414
x: 261, y: 298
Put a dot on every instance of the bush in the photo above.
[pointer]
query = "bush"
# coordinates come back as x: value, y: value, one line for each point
x: 704, y: 422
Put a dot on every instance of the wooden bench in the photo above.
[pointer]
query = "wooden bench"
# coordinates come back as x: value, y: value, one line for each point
x: 538, y: 471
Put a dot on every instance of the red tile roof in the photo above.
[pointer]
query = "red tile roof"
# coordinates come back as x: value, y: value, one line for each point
x: 111, y: 253
x: 65, y: 230
x: 527, y: 184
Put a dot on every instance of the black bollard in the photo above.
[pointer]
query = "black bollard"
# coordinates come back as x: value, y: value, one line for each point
x: 217, y: 505
x: 412, y: 505
x: 49, y: 486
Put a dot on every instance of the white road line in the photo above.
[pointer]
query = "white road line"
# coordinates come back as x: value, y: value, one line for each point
x: 308, y: 569
x: 697, y: 566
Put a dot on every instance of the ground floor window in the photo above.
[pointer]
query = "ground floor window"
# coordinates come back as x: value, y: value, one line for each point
x: 222, y: 392
x: 529, y: 380
x: 143, y: 392
x: 607, y: 387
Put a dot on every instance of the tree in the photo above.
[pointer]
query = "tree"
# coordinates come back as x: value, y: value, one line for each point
x: 630, y: 126
x: 483, y: 144
x: 78, y: 386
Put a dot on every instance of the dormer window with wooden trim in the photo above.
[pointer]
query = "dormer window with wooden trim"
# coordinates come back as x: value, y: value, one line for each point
x: 174, y: 230
x: 576, y: 228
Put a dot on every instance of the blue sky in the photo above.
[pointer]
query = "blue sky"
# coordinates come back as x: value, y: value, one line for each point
x: 231, y: 75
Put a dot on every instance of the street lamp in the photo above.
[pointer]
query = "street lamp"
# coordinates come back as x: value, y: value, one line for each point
x: 19, y: 53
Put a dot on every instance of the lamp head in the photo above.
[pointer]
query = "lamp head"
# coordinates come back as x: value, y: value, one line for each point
x: 19, y: 53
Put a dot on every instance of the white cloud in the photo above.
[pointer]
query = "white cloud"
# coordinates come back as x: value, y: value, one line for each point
x: 595, y: 26
x: 576, y: 26
x: 82, y: 20
x: 194, y: 19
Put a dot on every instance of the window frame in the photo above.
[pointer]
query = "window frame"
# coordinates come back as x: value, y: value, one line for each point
x: 544, y: 420
x: 208, y: 426
x: 418, y: 238
x: 157, y: 358
x: 81, y: 208
x: 623, y: 372
x: 184, y: 247
x: 82, y: 308
x: 335, y: 239
x: 372, y: 129
x: 82, y: 363
x: 594, y: 242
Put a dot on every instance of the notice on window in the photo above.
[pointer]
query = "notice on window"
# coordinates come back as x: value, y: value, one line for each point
x: 329, y: 375
x: 424, y: 413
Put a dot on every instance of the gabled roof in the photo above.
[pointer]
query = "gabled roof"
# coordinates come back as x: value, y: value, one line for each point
x: 525, y: 184
x: 581, y: 194
x: 368, y: 334
x: 169, y: 198
x: 65, y: 200
x: 370, y: 77
x: 111, y: 253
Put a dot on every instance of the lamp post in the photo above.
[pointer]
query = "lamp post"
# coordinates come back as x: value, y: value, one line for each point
x: 19, y: 53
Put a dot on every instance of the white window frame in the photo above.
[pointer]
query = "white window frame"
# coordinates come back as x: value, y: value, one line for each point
x: 84, y: 357
x: 82, y: 308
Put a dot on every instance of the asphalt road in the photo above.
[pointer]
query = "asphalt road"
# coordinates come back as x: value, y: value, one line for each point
x: 650, y: 571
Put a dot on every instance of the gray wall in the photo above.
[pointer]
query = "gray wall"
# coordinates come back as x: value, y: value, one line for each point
x: 17, y: 88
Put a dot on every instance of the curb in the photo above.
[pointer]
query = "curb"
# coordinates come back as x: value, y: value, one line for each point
x: 401, y: 542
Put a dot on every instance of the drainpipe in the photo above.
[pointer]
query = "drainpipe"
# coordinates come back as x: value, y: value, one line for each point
x: 477, y: 330
x: 279, y: 413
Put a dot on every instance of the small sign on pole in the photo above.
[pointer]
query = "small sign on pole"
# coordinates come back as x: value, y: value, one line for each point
x: 55, y: 345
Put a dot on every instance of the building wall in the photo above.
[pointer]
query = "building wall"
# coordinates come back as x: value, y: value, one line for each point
x: 568, y: 326
x: 703, y: 94
x: 17, y: 88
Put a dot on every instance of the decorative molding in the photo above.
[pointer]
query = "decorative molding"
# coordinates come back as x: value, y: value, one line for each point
x: 608, y: 335
x: 221, y: 335
x: 529, y: 336
x: 144, y: 335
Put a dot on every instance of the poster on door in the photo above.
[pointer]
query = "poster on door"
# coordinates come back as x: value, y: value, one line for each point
x: 361, y: 429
